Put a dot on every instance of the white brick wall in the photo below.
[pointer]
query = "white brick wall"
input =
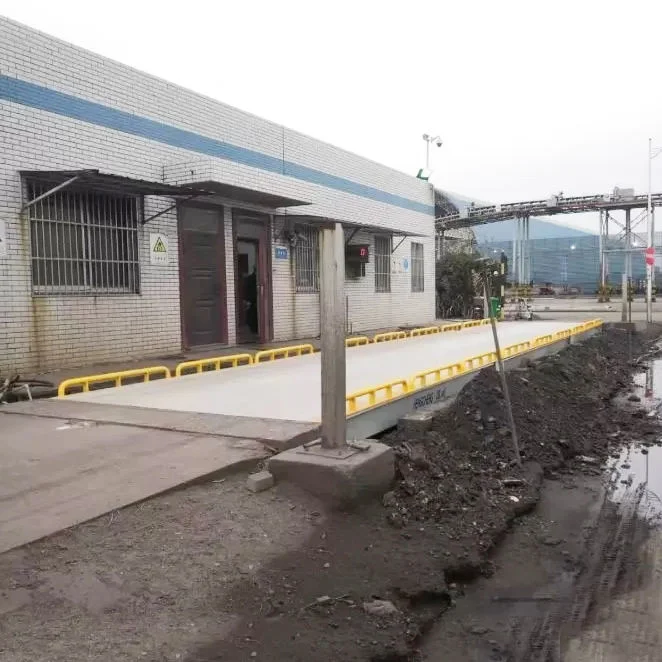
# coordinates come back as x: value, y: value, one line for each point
x: 40, y: 333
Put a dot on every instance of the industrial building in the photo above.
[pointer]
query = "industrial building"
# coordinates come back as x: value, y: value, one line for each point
x: 138, y: 218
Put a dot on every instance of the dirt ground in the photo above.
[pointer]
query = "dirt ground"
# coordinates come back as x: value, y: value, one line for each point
x: 216, y: 573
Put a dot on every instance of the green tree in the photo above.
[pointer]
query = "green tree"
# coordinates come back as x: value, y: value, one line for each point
x: 458, y: 283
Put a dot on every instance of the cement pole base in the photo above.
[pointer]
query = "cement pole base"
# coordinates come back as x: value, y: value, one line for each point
x: 341, y: 477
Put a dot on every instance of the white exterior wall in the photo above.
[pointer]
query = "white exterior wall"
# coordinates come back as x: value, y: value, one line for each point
x: 49, y: 332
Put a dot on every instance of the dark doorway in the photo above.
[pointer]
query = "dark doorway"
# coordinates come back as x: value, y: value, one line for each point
x: 248, y: 315
x: 252, y: 268
x: 202, y: 276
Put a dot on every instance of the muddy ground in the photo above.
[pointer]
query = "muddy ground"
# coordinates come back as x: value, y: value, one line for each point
x: 210, y: 573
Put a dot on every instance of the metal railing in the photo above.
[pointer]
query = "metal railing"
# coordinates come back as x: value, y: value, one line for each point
x: 216, y: 363
x: 283, y: 352
x: 117, y: 377
x: 389, y: 335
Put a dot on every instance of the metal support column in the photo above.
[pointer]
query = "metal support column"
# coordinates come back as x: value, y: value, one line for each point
x: 650, y: 268
x: 514, y: 260
x: 601, y: 244
x: 527, y: 250
x: 628, y: 246
x: 332, y: 322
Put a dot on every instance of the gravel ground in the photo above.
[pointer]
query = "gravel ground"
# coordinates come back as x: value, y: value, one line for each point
x: 215, y: 573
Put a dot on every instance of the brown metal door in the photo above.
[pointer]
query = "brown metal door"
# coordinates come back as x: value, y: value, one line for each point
x: 202, y: 276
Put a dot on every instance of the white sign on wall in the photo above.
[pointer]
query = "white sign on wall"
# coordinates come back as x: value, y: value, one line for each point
x: 158, y: 248
x: 3, y: 238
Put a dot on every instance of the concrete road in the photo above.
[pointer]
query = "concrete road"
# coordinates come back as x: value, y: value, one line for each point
x: 290, y: 389
x: 55, y: 473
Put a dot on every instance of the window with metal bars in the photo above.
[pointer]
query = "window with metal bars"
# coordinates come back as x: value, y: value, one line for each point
x: 382, y: 264
x: 307, y: 260
x: 417, y: 270
x: 84, y: 242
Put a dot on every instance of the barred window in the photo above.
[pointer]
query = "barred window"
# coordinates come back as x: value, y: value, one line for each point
x: 382, y: 264
x: 307, y: 260
x: 84, y: 242
x: 417, y: 271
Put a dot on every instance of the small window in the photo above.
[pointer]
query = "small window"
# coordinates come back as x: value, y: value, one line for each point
x: 84, y: 242
x: 382, y: 264
x: 417, y: 270
x: 307, y: 260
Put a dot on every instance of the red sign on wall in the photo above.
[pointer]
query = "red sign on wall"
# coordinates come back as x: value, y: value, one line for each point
x: 650, y: 256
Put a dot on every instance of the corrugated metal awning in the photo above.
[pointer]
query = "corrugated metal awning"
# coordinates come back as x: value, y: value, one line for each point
x: 109, y: 183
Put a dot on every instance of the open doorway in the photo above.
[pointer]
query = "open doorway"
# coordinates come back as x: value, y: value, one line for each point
x: 246, y: 273
x: 252, y: 269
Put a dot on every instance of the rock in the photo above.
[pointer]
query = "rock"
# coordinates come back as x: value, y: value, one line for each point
x: 395, y: 520
x: 380, y: 608
x: 514, y: 499
x: 478, y: 417
x: 479, y: 629
x: 324, y: 600
x: 513, y: 482
x: 260, y: 481
x: 634, y: 398
x: 550, y: 541
x: 644, y: 451
x: 389, y: 500
x: 503, y: 432
x: 563, y: 442
x: 587, y: 459
x: 625, y: 465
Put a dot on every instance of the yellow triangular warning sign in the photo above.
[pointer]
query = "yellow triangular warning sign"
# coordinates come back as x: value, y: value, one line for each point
x: 159, y: 246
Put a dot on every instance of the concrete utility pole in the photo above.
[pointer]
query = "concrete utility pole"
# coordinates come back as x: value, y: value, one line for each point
x: 332, y: 324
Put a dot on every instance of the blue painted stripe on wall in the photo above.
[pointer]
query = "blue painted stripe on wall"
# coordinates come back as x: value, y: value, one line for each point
x: 37, y: 96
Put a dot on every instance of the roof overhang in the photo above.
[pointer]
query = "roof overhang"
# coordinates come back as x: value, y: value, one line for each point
x: 109, y: 183
x: 249, y: 196
x: 355, y: 226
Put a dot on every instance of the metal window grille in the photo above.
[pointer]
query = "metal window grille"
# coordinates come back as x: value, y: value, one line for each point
x: 382, y: 264
x: 417, y: 270
x: 307, y: 260
x: 84, y: 242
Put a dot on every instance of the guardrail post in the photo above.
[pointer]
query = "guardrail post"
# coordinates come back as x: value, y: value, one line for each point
x: 332, y: 320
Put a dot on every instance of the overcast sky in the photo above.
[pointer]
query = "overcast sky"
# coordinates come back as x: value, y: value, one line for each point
x: 530, y: 97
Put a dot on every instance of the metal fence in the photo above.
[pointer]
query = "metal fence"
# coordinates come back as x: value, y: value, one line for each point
x: 382, y: 264
x: 307, y: 260
x: 84, y: 243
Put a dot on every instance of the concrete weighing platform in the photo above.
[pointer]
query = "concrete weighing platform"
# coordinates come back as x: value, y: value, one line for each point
x: 289, y: 389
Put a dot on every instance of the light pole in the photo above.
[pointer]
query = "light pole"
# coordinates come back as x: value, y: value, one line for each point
x: 650, y: 268
x: 428, y: 141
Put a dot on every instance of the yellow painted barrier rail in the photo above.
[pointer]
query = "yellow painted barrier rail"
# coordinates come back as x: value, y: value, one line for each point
x: 355, y: 341
x: 117, y: 377
x: 377, y: 395
x: 390, y: 335
x: 283, y: 352
x: 215, y: 363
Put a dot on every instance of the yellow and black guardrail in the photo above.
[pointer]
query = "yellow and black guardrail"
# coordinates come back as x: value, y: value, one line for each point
x: 78, y: 384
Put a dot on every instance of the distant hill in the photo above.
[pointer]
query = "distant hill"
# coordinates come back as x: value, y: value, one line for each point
x: 540, y: 227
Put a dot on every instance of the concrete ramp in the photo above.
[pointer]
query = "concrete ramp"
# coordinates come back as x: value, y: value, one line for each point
x: 55, y: 473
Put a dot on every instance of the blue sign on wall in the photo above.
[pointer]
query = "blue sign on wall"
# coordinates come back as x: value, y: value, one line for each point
x: 405, y: 264
x: 281, y: 253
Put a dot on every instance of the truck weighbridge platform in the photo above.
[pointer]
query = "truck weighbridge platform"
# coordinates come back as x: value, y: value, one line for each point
x: 289, y: 389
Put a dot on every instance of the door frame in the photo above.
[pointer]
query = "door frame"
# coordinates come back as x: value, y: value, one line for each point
x: 266, y: 300
x: 220, y: 247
